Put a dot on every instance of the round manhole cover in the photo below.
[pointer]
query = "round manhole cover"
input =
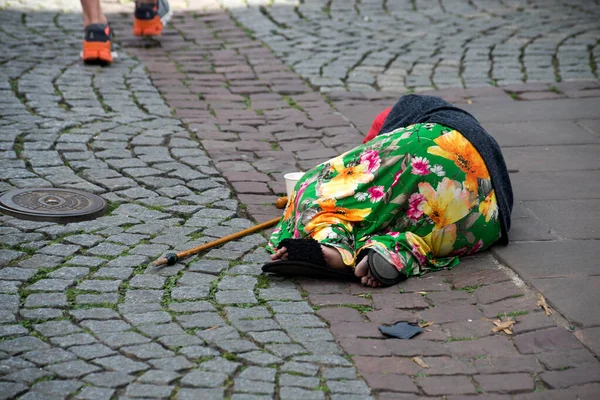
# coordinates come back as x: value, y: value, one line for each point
x: 53, y: 205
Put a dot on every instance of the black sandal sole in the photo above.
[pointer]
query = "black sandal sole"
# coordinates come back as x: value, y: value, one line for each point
x: 383, y: 271
x: 308, y: 270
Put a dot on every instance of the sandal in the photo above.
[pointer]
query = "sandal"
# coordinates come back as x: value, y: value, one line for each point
x: 306, y: 259
x: 387, y: 274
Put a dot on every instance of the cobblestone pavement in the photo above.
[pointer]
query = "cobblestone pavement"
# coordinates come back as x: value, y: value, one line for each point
x: 371, y: 45
x: 187, y: 137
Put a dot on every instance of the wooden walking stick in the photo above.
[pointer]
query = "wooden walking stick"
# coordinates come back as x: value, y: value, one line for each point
x: 172, y: 258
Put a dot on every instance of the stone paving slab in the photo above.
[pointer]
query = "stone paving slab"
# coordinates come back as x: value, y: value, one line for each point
x: 187, y: 137
x: 540, y: 133
x: 558, y: 110
x: 571, y: 219
x: 542, y: 185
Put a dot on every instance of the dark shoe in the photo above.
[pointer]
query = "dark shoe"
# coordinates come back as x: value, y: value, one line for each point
x: 305, y: 258
x: 150, y: 19
x: 387, y: 274
x: 97, y: 45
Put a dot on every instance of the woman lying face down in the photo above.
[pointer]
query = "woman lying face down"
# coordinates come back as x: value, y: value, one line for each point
x: 427, y: 185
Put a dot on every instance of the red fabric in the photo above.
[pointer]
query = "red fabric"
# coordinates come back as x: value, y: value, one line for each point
x: 377, y: 124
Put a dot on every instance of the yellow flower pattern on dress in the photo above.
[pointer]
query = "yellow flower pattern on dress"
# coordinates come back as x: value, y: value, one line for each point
x: 347, y: 257
x: 346, y: 181
x: 441, y: 241
x: 489, y: 207
x: 453, y: 146
x: 322, y: 234
x: 446, y: 205
x: 417, y: 242
x: 290, y: 207
x: 331, y: 215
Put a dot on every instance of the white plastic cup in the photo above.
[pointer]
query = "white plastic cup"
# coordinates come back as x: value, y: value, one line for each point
x: 290, y: 181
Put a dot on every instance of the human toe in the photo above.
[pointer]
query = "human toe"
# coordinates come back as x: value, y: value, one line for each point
x: 373, y: 282
x: 362, y: 268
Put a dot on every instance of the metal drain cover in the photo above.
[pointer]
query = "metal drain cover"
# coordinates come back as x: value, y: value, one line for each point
x: 52, y: 205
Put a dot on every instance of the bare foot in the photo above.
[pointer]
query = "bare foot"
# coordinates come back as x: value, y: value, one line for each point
x: 362, y: 271
x: 333, y: 258
x: 280, y: 254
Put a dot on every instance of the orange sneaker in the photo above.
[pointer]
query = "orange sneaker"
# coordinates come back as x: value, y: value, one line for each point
x: 97, y: 46
x: 150, y: 19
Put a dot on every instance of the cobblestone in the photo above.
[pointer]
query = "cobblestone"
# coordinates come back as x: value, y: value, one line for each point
x: 120, y: 339
x: 249, y: 386
x: 109, y: 379
x: 49, y: 356
x: 57, y: 328
x: 154, y: 330
x: 75, y: 339
x: 299, y: 381
x: 92, y: 351
x: 158, y: 377
x: 95, y: 393
x: 236, y: 297
x: 47, y: 300
x: 94, y: 299
x: 121, y: 364
x: 12, y: 330
x: 146, y: 351
x: 109, y: 319
x: 72, y: 369
x: 203, y: 379
x: 58, y: 388
x: 69, y: 273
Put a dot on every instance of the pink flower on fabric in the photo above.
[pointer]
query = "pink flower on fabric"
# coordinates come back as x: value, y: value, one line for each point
x: 420, y: 166
x: 371, y: 160
x: 393, y: 234
x: 276, y: 231
x: 397, y: 177
x: 414, y: 206
x: 459, y: 252
x: 476, y: 247
x: 376, y: 193
x: 416, y: 251
x: 397, y: 262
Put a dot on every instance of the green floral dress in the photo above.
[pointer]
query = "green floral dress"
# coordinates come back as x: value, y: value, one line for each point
x: 420, y: 196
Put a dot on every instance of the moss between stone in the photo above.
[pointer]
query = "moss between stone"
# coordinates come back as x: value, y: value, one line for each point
x: 94, y: 305
x: 362, y: 308
x: 170, y: 284
x: 263, y: 282
x: 111, y: 206
x: 512, y: 314
x: 42, y: 273
x: 470, y: 289
x: 45, y: 378
x: 322, y: 388
x: 72, y: 294
x: 459, y: 339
